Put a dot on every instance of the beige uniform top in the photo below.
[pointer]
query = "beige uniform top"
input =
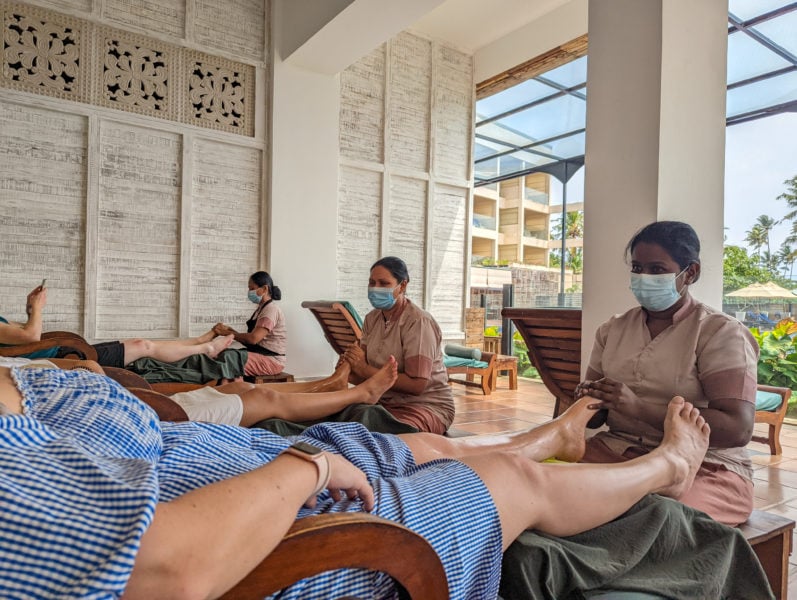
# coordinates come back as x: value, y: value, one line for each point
x: 703, y: 355
x: 414, y: 338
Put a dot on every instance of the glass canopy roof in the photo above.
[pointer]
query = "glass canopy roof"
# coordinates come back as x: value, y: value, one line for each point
x: 539, y: 125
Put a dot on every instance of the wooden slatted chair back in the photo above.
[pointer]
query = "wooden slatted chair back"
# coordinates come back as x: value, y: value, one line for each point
x: 553, y: 338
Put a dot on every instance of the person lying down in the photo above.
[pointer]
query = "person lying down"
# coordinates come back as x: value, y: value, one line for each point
x: 100, y: 497
x: 244, y: 404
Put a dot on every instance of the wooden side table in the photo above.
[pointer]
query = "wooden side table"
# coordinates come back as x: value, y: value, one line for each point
x: 507, y: 363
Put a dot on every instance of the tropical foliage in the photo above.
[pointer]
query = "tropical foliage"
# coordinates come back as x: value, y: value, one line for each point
x: 777, y: 361
x: 519, y: 349
x: 574, y: 257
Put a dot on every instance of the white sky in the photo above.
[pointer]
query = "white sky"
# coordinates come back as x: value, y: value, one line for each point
x: 759, y: 157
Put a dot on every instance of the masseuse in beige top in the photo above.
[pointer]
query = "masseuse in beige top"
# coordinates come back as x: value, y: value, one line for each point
x: 421, y: 396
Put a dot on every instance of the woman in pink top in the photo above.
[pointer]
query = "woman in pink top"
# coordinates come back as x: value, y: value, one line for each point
x: 421, y: 396
x: 266, y: 336
x: 672, y: 345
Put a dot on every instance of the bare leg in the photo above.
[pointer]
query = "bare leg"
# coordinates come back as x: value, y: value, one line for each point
x: 562, y: 438
x: 173, y: 350
x: 565, y: 499
x: 262, y: 402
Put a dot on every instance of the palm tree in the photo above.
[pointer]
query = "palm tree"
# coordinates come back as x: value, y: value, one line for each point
x: 766, y: 224
x: 790, y: 196
x: 787, y: 257
x: 756, y: 238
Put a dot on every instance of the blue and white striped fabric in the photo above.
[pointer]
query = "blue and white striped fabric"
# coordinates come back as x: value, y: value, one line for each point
x: 83, y: 470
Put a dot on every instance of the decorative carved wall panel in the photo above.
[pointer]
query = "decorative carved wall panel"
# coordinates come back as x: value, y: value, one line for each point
x: 51, y: 54
x: 220, y: 93
x: 45, y: 53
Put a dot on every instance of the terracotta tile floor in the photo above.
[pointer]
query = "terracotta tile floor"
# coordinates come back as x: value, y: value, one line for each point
x: 532, y: 404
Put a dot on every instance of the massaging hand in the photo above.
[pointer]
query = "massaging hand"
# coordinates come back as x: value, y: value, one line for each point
x: 613, y: 395
x: 348, y: 481
x: 222, y: 329
x: 36, y: 299
x: 355, y: 356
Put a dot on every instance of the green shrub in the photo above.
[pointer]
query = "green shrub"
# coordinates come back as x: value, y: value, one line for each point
x: 777, y: 361
x: 519, y: 349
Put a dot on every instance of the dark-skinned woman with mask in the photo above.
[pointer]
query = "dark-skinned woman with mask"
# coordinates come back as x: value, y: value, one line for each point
x: 421, y: 396
x: 673, y: 345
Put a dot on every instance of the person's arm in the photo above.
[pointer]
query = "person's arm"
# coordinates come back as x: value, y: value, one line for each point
x: 30, y: 331
x: 361, y: 370
x: 202, y: 543
x: 254, y: 337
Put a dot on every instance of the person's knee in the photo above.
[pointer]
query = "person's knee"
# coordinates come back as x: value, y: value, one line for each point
x: 137, y: 348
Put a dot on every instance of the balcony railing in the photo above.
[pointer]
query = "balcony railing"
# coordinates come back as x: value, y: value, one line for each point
x: 485, y: 222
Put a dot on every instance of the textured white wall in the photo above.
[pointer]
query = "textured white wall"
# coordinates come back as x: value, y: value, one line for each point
x: 405, y: 150
x: 142, y: 206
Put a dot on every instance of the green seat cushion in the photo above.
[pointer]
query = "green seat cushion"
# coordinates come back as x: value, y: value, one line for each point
x: 769, y: 401
x: 458, y: 361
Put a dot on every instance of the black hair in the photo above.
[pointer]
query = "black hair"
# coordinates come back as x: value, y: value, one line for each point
x: 678, y: 239
x: 396, y: 266
x: 261, y: 278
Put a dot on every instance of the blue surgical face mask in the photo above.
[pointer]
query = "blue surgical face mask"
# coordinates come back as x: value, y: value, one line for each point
x: 381, y: 298
x: 656, y: 292
x: 253, y: 297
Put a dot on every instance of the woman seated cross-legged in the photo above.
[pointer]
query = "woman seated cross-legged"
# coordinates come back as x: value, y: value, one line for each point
x: 102, y: 500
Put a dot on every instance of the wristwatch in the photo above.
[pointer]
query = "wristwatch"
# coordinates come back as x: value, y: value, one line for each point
x: 316, y: 456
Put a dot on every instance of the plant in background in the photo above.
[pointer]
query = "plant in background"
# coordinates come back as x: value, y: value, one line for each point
x: 519, y: 349
x: 777, y: 361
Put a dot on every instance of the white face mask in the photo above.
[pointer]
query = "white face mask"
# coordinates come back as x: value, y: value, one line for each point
x: 656, y: 292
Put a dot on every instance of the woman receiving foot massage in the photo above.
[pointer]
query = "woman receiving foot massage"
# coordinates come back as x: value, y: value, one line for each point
x: 99, y: 498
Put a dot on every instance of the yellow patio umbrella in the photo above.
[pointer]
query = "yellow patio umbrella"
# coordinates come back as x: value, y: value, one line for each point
x: 762, y: 290
x: 758, y: 293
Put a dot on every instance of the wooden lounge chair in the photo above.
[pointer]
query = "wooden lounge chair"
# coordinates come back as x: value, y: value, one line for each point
x: 341, y: 324
x: 553, y: 338
x: 773, y: 418
x: 483, y: 368
x: 73, y: 344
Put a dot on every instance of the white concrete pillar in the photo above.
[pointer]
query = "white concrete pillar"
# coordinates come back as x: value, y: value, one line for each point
x: 303, y: 203
x: 655, y: 147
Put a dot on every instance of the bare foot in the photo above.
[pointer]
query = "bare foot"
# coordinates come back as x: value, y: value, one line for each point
x: 339, y: 380
x: 380, y: 382
x: 572, y: 424
x: 684, y: 445
x: 206, y: 337
x: 220, y: 343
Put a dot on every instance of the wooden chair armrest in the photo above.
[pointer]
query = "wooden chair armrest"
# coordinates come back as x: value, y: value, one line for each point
x: 347, y: 540
x: 72, y: 363
x: 127, y: 378
x: 785, y: 393
x: 71, y: 346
